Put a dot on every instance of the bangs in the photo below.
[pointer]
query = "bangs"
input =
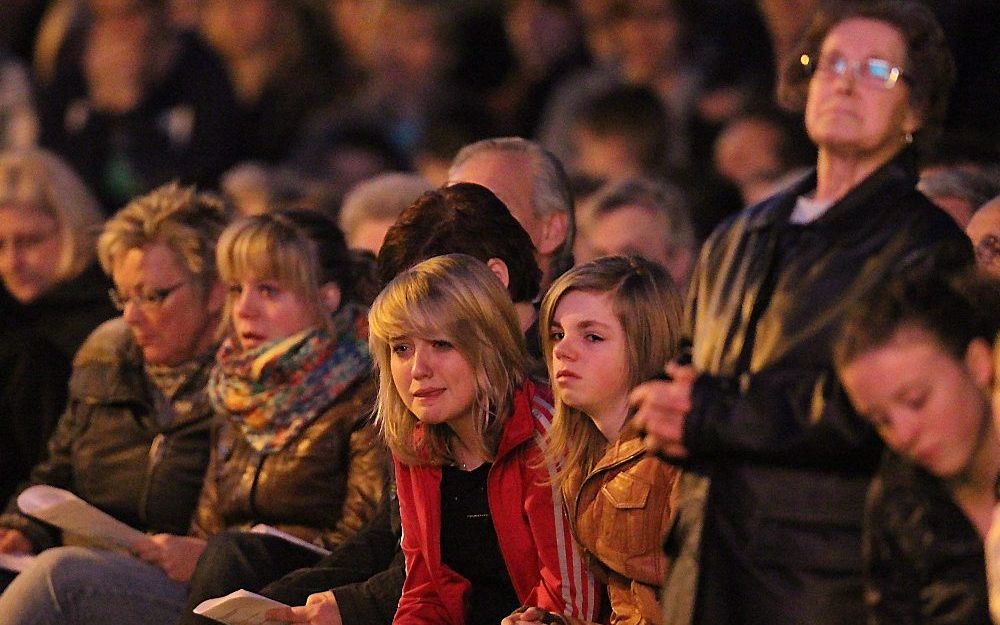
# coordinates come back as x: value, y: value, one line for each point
x: 412, y: 309
x: 265, y: 253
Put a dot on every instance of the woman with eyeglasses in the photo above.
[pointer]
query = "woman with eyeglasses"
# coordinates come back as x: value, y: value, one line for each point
x: 52, y: 295
x: 770, y: 512
x: 134, y: 437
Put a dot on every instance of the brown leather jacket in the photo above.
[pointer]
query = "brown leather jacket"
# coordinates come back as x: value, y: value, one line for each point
x: 620, y: 512
x: 322, y: 487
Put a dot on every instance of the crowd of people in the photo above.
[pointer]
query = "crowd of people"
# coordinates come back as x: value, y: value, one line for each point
x: 503, y: 313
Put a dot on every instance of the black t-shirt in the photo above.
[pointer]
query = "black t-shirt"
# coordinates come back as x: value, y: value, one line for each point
x: 469, y: 545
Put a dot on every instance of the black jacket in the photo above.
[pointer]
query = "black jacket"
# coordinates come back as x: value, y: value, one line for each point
x: 366, y: 572
x: 925, y: 558
x: 110, y: 448
x: 788, y: 458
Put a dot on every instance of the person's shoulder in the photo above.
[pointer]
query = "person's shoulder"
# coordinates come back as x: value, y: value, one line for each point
x: 110, y: 343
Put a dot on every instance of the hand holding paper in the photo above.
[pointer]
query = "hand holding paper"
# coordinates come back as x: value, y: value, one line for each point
x: 240, y: 608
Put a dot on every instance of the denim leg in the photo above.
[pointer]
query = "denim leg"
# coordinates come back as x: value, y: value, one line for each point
x: 80, y: 586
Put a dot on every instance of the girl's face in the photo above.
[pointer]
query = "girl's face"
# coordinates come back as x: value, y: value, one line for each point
x: 589, y: 363
x: 927, y: 406
x: 434, y: 380
x: 264, y: 310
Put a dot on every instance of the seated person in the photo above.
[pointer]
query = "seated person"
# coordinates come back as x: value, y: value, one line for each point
x: 916, y: 360
x: 610, y: 325
x: 134, y: 437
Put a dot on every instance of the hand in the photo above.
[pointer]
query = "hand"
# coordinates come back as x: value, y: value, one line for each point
x: 14, y: 541
x: 320, y: 609
x: 661, y: 409
x: 176, y: 555
x: 530, y: 616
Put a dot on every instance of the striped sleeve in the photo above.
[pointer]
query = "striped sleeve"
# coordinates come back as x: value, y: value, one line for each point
x: 564, y: 571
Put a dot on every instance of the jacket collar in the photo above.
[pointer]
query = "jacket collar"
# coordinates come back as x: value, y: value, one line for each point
x: 843, y: 215
x: 519, y: 427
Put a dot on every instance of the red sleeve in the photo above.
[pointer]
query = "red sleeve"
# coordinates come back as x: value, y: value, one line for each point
x: 423, y: 599
x: 566, y: 585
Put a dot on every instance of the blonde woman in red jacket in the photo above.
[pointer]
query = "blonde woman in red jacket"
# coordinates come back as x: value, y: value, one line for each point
x: 484, y: 529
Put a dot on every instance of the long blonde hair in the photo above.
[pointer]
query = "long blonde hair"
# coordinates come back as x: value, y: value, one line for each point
x: 458, y: 299
x: 648, y: 306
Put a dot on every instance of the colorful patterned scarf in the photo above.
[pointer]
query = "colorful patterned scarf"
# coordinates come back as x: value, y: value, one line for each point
x: 270, y: 393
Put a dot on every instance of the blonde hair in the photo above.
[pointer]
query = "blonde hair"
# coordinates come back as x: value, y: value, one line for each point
x: 291, y: 247
x: 458, y: 299
x: 39, y: 179
x: 187, y: 222
x: 648, y: 306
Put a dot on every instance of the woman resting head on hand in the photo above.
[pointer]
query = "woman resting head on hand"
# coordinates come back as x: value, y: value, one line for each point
x: 466, y: 427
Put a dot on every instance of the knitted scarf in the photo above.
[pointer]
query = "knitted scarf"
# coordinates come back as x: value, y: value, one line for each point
x: 270, y: 393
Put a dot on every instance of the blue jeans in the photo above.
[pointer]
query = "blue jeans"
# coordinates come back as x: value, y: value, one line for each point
x: 81, y: 586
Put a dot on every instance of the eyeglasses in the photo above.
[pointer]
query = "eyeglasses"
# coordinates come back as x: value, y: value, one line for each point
x: 869, y: 72
x: 147, y: 301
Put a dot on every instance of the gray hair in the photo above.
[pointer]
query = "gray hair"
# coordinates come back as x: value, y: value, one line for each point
x: 551, y: 190
x: 659, y: 197
x: 382, y: 197
x: 975, y: 186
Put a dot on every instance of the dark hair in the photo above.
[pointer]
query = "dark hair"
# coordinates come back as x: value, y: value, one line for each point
x: 463, y: 218
x: 336, y: 263
x: 929, y: 65
x: 956, y: 309
x: 636, y: 113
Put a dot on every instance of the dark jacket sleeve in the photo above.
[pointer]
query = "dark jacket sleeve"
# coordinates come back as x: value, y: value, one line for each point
x: 373, y: 602
x: 792, y: 410
x: 56, y: 470
x: 351, y: 569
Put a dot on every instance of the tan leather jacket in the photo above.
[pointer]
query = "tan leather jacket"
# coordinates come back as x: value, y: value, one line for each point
x: 322, y: 487
x: 620, y: 512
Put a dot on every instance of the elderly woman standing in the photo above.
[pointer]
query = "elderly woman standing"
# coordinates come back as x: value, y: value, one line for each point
x: 769, y: 525
x: 134, y: 439
x: 53, y: 295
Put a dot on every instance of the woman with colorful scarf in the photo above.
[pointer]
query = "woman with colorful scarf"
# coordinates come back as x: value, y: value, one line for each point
x: 293, y: 447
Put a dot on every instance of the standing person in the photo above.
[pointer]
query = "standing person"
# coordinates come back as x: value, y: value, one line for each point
x: 610, y: 324
x: 760, y: 414
x: 916, y: 360
x: 465, y: 424
x: 134, y: 438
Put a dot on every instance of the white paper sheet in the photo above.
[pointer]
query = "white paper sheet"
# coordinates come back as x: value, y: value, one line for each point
x: 70, y: 513
x: 16, y: 562
x: 263, y: 528
x: 239, y: 608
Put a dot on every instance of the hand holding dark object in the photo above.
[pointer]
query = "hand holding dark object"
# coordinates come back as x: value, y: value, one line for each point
x: 531, y: 616
x: 661, y: 407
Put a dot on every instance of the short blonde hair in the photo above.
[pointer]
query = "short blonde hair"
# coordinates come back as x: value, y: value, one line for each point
x: 457, y: 298
x: 648, y: 306
x: 302, y: 250
x: 41, y: 180
x: 187, y: 222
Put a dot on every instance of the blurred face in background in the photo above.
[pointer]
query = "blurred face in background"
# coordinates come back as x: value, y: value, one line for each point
x: 928, y: 406
x: 847, y: 114
x: 30, y: 249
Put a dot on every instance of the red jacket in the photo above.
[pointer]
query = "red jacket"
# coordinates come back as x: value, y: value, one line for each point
x: 532, y: 528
